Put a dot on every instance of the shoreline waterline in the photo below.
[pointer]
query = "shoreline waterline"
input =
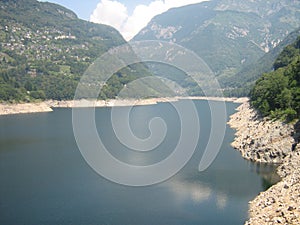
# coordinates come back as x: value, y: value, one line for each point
x: 42, y: 144
x: 266, y: 141
x: 47, y: 106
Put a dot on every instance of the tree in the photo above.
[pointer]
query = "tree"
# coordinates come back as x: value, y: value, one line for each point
x: 277, y: 94
x: 28, y: 85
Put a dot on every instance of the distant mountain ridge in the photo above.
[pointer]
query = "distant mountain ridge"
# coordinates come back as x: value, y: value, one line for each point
x: 228, y: 34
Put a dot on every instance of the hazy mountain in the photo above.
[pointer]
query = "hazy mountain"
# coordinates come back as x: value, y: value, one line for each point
x: 228, y: 35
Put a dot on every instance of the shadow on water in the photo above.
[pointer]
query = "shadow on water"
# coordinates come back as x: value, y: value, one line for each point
x: 267, y: 172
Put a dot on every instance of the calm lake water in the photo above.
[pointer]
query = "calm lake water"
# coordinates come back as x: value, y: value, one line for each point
x: 45, y: 180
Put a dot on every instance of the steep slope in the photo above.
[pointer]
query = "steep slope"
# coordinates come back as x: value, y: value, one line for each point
x: 45, y: 49
x: 228, y: 34
x: 276, y: 94
x: 249, y: 74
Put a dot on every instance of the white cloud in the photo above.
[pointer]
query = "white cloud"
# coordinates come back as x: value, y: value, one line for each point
x: 111, y: 13
x: 115, y: 14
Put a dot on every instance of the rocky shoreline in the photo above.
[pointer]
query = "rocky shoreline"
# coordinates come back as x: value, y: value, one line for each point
x: 47, y: 106
x: 8, y: 109
x: 265, y: 141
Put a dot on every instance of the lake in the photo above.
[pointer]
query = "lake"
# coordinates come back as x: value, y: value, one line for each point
x: 45, y: 180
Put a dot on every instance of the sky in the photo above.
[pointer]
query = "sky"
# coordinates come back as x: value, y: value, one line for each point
x: 127, y: 16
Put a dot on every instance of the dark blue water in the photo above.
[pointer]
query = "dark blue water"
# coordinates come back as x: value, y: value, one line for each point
x: 45, y: 180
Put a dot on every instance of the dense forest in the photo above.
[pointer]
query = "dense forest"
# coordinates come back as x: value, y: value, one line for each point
x: 277, y: 94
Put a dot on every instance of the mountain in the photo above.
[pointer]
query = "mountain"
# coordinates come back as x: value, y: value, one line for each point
x: 228, y: 35
x: 249, y: 74
x: 45, y: 49
x: 277, y: 94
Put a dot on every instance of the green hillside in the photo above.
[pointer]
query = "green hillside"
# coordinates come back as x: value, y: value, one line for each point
x: 277, y: 94
x: 45, y: 49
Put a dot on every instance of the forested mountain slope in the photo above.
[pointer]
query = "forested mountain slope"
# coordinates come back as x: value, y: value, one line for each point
x: 277, y: 94
x: 45, y: 49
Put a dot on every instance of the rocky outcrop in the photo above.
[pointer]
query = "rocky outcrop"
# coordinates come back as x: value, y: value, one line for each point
x: 259, y: 139
x: 281, y: 203
x: 263, y: 140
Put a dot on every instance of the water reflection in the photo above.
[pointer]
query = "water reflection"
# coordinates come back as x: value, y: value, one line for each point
x: 201, y: 188
x: 183, y: 190
x: 268, y: 173
x: 222, y: 200
x: 48, y: 176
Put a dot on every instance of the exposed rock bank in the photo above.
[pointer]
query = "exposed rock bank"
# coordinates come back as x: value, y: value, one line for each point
x: 7, y: 109
x: 262, y: 140
x: 259, y: 139
x: 47, y: 106
x: 281, y: 203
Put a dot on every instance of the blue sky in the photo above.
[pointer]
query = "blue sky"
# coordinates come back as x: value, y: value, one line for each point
x: 127, y: 16
x: 84, y: 9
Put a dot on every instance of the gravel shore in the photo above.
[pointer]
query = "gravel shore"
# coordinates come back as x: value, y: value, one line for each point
x: 46, y: 106
x: 265, y: 141
x: 7, y: 109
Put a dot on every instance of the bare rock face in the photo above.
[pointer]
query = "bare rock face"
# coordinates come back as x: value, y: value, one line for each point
x: 262, y: 140
x: 278, y: 205
x: 259, y: 139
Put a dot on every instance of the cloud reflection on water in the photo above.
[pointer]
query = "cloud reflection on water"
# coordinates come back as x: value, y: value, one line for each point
x: 198, y: 192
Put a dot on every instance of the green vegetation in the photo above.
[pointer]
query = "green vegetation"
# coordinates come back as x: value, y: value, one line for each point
x: 45, y: 50
x: 277, y: 94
